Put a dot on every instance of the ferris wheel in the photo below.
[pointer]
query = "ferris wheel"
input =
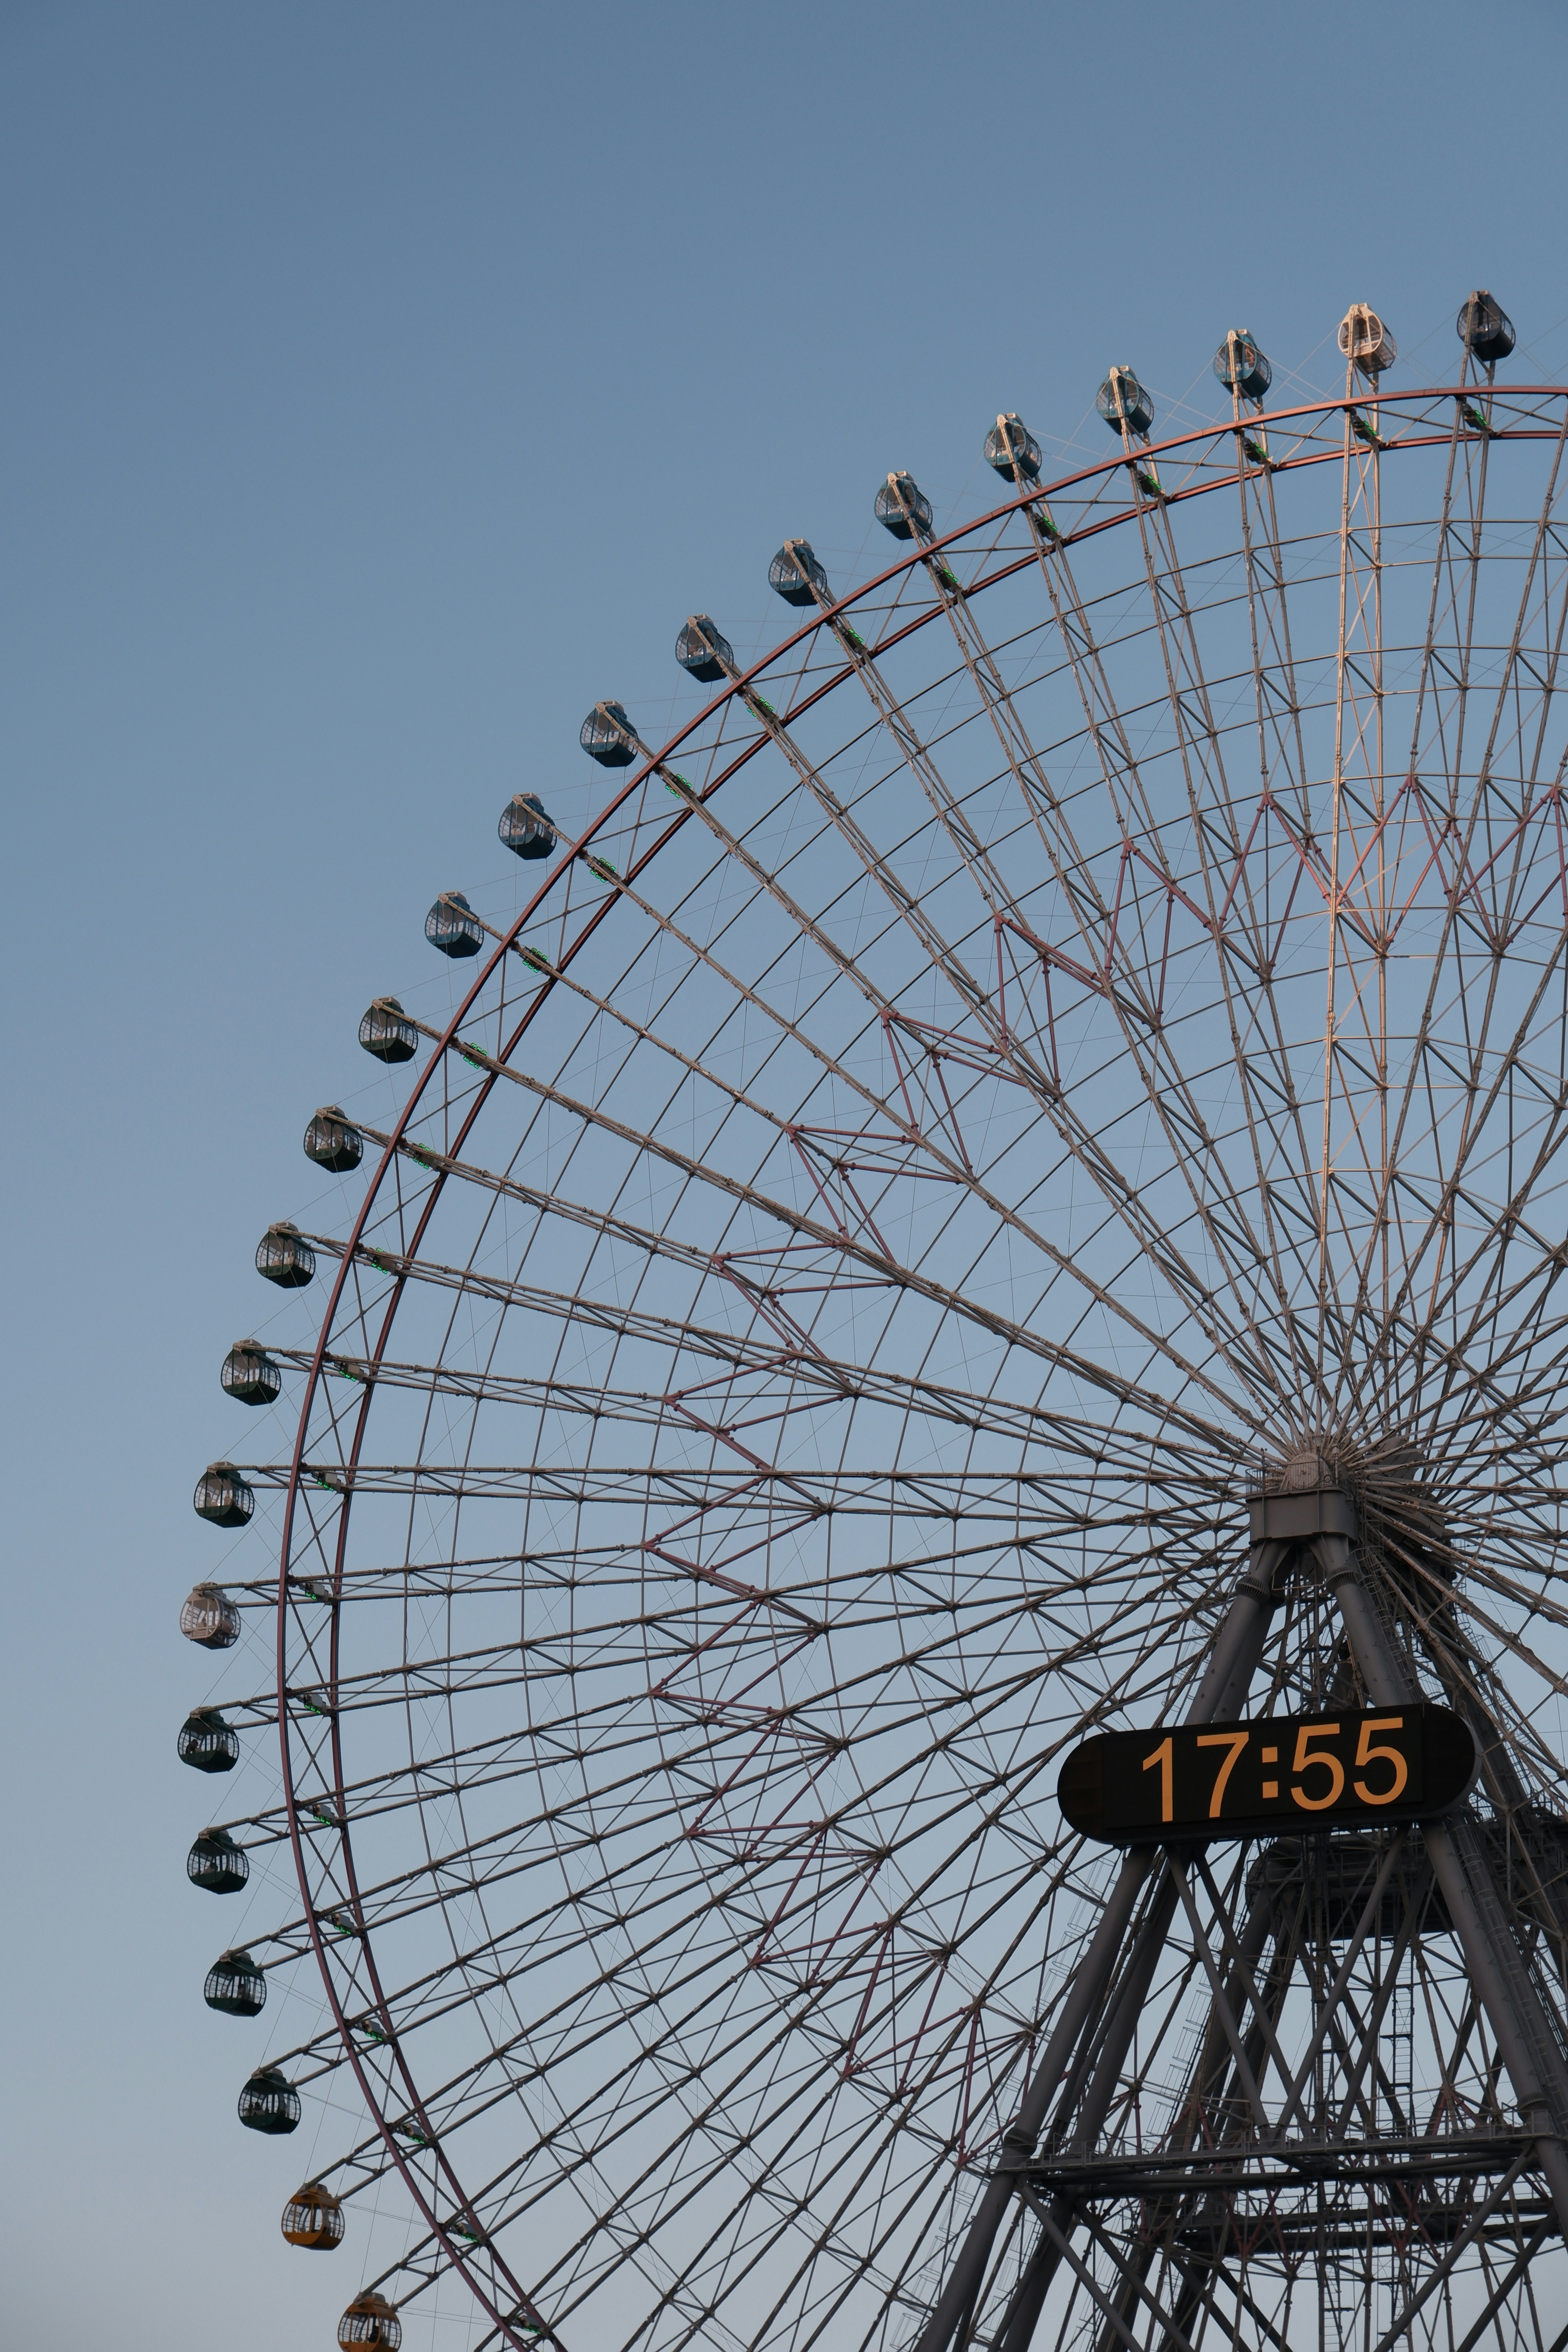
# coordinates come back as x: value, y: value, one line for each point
x: 1008, y: 1191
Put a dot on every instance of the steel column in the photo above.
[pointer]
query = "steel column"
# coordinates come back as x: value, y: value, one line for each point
x: 1238, y: 1649
x: 1525, y: 2036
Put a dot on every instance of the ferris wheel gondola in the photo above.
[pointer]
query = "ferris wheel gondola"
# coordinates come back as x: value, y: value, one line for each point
x: 1007, y: 1188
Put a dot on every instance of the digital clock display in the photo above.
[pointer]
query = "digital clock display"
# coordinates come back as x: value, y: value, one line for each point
x: 1359, y: 1766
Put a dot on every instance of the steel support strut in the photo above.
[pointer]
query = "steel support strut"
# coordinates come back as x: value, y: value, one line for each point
x: 1525, y: 2036
x: 1101, y: 1994
x: 1314, y: 1522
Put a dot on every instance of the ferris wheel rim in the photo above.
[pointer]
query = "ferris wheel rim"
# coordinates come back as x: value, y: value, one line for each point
x: 639, y: 773
x: 457, y: 2254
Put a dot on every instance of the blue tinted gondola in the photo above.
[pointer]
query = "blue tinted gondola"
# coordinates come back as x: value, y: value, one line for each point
x: 452, y: 926
x: 235, y: 1985
x: 249, y: 1375
x: 1122, y: 401
x: 902, y: 507
x: 386, y: 1031
x: 795, y: 574
x: 701, y: 649
x: 1012, y: 450
x: 333, y: 1140
x: 269, y: 2103
x: 285, y: 1257
x: 223, y: 1497
x: 526, y: 829
x: 1241, y: 366
x: 217, y: 1864
x: 608, y: 735
x: 207, y: 1742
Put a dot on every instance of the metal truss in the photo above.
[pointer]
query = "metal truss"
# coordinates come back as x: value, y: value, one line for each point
x: 1075, y: 1036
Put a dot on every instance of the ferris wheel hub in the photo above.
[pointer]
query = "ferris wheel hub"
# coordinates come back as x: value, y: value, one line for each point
x: 795, y: 1364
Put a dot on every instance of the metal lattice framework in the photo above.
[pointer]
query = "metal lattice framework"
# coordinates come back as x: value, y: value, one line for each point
x: 1077, y: 1033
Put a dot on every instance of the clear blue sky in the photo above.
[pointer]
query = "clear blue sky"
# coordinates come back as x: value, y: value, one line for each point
x: 379, y: 385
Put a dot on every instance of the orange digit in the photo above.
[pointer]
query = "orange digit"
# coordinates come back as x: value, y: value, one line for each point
x: 1165, y: 1756
x: 1236, y: 1741
x: 1304, y: 1759
x: 1366, y: 1754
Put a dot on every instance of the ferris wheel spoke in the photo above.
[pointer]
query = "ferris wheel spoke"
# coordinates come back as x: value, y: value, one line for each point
x: 1459, y: 868
x: 1001, y: 1038
x: 466, y: 2097
x: 506, y: 1854
x: 1464, y: 1287
x: 432, y: 1777
x: 1519, y: 1544
x: 1162, y: 1469
x: 1521, y: 1370
x: 857, y: 2261
x: 1538, y: 666
x: 318, y: 1704
x: 1217, y: 1205
x: 1223, y: 1217
x: 1356, y: 835
x: 916, y: 756
x: 613, y: 2109
x: 913, y: 1494
x: 1444, y: 1293
x: 841, y: 1244
x: 1508, y: 1639
x: 914, y: 1143
x: 797, y: 1031
x: 576, y: 1738
x: 482, y: 1387
x: 769, y: 2211
x: 501, y: 2073
x: 1267, y: 1085
x: 1242, y: 959
x: 546, y: 2043
x: 1277, y: 693
x: 585, y: 1738
x: 1070, y: 870
x: 528, y: 1932
x: 682, y: 1336
x: 906, y: 906
x: 534, y: 2055
x: 1440, y: 693
x: 906, y: 1146
x: 449, y: 1674
x: 796, y: 1374
x: 1179, y: 1517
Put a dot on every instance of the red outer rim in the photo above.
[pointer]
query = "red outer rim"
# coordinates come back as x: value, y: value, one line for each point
x: 457, y: 2254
